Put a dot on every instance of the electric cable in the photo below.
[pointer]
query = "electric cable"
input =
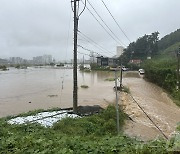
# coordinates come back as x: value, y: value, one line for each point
x: 101, y: 25
x: 105, y: 23
x: 96, y: 44
x: 116, y: 21
x: 149, y: 117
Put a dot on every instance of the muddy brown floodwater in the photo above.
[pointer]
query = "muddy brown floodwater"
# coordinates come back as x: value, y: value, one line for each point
x: 155, y: 102
x: 42, y: 88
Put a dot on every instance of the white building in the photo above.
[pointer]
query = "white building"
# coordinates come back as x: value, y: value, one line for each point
x: 93, y: 58
x: 119, y: 51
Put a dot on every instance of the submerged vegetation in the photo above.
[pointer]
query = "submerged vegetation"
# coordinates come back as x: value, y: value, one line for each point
x: 92, y: 134
x: 3, y: 68
x: 84, y: 86
x: 110, y: 79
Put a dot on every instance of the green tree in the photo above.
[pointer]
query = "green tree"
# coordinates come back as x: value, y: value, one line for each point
x: 144, y: 46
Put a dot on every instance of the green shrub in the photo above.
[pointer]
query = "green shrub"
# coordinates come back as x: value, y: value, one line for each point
x: 162, y: 73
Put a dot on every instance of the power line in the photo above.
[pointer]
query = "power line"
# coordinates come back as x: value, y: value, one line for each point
x: 116, y: 21
x: 85, y: 54
x: 89, y: 40
x: 89, y: 50
x: 62, y: 83
x: 105, y: 23
x: 100, y: 52
x: 101, y: 24
x: 149, y: 117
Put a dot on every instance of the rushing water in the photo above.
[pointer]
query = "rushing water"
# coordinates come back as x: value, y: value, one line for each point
x: 35, y: 88
x: 155, y: 102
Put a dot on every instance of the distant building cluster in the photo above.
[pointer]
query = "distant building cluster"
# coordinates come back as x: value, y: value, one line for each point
x: 17, y: 60
x: 45, y: 59
x: 39, y: 60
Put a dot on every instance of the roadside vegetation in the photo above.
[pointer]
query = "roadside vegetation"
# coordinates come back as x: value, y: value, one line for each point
x: 91, y: 134
x: 163, y: 73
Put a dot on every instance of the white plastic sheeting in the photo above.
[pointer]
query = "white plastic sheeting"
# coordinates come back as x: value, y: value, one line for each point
x: 46, y: 119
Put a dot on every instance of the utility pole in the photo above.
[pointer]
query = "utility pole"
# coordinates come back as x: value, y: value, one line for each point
x: 75, y: 93
x: 178, y: 60
x: 83, y: 61
x: 117, y: 106
x: 121, y: 75
x: 75, y: 85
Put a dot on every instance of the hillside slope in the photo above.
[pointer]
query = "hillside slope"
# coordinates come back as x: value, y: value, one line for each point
x: 169, y: 53
x: 169, y: 40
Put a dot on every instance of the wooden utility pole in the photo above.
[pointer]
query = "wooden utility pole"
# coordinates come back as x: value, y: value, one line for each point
x: 75, y: 93
x: 117, y: 106
x: 83, y: 61
x: 121, y: 77
x: 75, y: 84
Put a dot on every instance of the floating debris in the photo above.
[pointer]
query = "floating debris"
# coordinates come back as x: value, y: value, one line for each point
x: 52, y: 95
x: 46, y: 119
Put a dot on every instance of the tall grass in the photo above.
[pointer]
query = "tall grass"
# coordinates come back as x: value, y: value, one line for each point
x: 94, y: 134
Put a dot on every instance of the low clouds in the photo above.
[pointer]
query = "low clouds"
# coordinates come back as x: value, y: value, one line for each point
x: 31, y: 28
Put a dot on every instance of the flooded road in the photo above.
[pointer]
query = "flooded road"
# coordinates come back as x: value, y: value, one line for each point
x: 43, y: 88
x: 157, y: 105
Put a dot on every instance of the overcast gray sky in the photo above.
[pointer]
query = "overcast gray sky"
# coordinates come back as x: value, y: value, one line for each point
x: 31, y: 28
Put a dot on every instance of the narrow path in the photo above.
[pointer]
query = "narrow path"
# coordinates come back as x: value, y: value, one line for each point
x: 157, y: 105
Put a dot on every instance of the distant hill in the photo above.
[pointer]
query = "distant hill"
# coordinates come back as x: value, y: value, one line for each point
x: 149, y: 46
x: 169, y: 40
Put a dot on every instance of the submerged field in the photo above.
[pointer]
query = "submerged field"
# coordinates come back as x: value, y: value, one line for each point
x: 91, y: 134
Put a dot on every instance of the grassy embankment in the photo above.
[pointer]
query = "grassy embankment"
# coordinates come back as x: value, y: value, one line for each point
x: 93, y: 134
